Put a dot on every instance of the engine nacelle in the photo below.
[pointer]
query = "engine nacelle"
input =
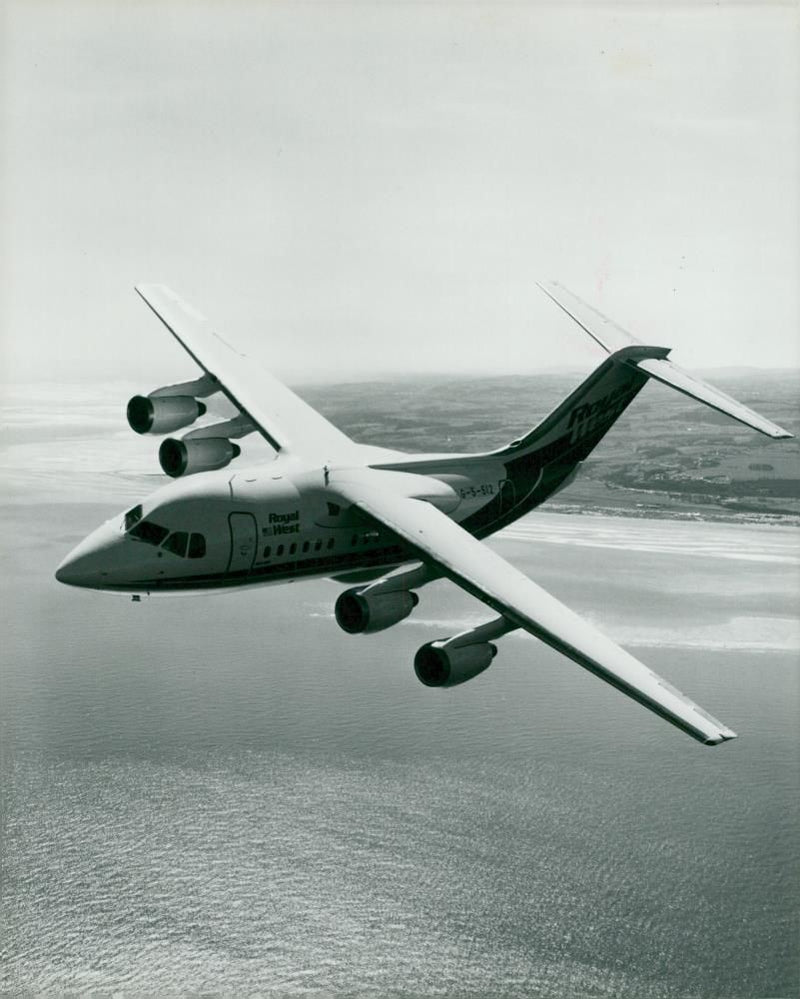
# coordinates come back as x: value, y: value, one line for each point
x: 362, y: 613
x: 184, y: 457
x: 149, y: 414
x: 438, y: 664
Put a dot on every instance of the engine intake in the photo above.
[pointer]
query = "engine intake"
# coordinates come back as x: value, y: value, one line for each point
x: 439, y: 664
x: 163, y: 414
x: 196, y: 455
x: 360, y: 613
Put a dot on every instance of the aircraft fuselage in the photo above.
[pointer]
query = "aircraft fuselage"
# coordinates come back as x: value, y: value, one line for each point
x: 266, y: 524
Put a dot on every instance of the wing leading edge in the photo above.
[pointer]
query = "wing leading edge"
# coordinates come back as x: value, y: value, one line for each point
x: 487, y: 576
x: 283, y: 418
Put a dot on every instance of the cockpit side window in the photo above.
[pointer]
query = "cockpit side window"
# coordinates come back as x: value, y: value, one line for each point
x: 133, y: 517
x: 149, y: 532
x: 197, y: 546
x: 176, y: 543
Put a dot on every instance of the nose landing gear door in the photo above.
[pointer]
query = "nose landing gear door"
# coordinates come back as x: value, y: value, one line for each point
x: 244, y: 538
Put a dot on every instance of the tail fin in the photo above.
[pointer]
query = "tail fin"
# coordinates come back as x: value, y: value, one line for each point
x: 652, y: 361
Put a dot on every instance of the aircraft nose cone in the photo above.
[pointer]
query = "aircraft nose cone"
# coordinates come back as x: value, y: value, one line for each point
x: 74, y: 572
x: 87, y: 564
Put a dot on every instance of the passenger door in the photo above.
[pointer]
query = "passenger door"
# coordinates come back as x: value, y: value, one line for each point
x: 244, y: 539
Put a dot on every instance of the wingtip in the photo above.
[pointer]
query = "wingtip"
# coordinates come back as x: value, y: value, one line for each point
x: 770, y: 429
x: 725, y: 735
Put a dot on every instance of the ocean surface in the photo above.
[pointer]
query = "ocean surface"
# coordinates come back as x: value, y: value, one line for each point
x: 228, y: 795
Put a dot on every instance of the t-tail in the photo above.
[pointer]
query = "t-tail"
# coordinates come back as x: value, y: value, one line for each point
x: 577, y: 425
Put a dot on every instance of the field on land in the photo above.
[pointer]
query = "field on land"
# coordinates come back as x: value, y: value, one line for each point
x: 667, y: 455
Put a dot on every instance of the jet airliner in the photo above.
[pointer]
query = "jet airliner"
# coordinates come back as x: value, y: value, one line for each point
x: 384, y: 523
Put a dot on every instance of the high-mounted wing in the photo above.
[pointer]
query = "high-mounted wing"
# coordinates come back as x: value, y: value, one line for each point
x: 287, y: 423
x: 481, y: 572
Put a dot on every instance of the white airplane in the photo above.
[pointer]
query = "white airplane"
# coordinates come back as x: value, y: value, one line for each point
x: 384, y: 521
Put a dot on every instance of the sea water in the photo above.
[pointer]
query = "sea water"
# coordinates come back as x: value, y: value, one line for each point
x: 227, y: 794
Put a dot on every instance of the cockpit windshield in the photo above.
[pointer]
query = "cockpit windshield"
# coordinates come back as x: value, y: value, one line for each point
x: 180, y: 543
x: 133, y: 517
x: 149, y: 532
x: 197, y: 546
x: 176, y: 543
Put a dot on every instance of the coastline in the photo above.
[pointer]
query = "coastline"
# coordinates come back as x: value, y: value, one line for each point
x: 668, y: 460
x: 701, y: 515
x: 103, y: 499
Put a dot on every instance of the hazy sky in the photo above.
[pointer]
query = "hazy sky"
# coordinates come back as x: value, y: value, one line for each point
x: 354, y: 188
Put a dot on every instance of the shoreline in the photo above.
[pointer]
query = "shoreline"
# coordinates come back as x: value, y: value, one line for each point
x: 574, y: 509
x: 743, y: 518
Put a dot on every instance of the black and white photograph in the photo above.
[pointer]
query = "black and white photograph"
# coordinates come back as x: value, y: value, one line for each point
x: 400, y: 491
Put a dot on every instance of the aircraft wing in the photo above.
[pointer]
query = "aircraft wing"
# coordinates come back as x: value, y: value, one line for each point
x: 441, y: 542
x: 287, y: 423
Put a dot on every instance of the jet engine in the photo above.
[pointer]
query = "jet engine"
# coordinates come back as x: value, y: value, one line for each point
x: 442, y: 664
x: 364, y: 613
x: 171, y: 407
x: 195, y: 454
x: 163, y: 414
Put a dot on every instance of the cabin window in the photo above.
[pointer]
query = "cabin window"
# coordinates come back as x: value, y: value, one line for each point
x: 268, y: 551
x: 147, y: 531
x: 133, y: 517
x: 176, y: 543
x: 292, y: 548
x: 305, y: 546
x: 330, y: 543
x: 354, y: 540
x: 317, y: 545
x: 334, y: 509
x: 280, y: 550
x: 197, y: 546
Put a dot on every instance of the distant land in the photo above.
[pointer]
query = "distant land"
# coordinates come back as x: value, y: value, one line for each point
x: 667, y: 456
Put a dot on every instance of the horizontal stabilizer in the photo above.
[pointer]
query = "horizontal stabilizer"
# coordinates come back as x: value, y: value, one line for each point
x: 669, y: 373
x: 625, y: 347
x: 600, y: 328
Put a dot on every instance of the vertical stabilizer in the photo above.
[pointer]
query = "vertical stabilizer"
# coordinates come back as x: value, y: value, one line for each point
x: 652, y: 361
